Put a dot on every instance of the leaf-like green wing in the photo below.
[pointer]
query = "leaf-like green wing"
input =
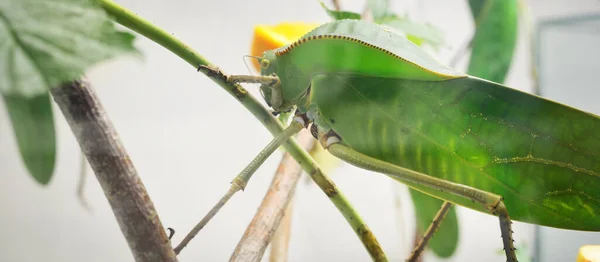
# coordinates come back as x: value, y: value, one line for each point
x: 46, y: 43
x: 33, y: 126
x: 445, y: 240
x: 495, y: 38
x: 542, y: 157
x: 418, y: 33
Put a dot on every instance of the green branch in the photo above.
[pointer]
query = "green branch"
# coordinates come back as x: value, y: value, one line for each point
x: 156, y: 34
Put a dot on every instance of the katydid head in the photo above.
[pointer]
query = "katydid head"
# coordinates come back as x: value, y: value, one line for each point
x: 268, y: 63
x: 271, y: 92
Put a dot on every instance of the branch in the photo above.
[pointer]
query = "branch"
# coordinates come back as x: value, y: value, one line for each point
x: 281, y: 239
x: 266, y: 221
x: 114, y: 170
x: 160, y: 36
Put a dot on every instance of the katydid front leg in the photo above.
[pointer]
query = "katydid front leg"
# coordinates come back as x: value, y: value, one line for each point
x: 240, y: 182
x: 271, y: 82
x: 494, y: 203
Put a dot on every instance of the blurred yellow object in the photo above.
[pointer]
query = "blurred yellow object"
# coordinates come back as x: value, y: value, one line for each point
x: 589, y: 254
x: 268, y: 37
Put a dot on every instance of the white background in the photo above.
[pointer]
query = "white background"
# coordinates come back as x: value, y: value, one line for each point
x: 188, y: 139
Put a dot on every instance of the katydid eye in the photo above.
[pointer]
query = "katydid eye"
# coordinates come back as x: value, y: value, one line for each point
x: 264, y: 63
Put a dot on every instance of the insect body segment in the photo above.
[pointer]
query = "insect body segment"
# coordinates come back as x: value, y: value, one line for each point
x: 379, y: 102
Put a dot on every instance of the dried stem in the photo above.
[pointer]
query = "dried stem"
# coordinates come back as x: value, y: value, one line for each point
x: 336, y: 5
x: 120, y: 182
x: 267, y: 219
x: 281, y: 238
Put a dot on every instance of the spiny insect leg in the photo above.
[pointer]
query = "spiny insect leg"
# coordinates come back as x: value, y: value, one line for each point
x: 433, y: 227
x: 492, y: 202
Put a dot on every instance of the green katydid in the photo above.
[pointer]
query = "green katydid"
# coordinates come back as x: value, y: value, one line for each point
x: 377, y: 101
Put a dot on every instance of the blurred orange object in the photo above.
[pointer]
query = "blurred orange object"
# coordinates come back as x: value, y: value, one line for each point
x: 270, y: 37
x: 589, y: 254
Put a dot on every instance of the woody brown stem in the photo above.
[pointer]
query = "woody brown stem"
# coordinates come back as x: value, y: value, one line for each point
x: 113, y: 168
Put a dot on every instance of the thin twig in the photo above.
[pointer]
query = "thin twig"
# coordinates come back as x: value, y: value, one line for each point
x: 336, y: 5
x: 281, y: 239
x: 159, y: 36
x: 120, y: 182
x: 267, y: 219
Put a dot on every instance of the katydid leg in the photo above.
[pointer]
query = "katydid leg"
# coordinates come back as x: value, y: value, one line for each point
x: 240, y: 182
x: 212, y: 71
x: 492, y: 202
x: 297, y: 124
x: 433, y: 227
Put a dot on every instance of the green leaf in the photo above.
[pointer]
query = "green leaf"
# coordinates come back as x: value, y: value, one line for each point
x: 379, y: 8
x: 46, y: 43
x: 495, y: 38
x: 418, y: 33
x: 445, y: 240
x: 339, y: 15
x: 33, y: 126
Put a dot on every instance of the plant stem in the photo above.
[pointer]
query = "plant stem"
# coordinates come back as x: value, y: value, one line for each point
x: 336, y: 5
x: 120, y: 182
x: 156, y: 34
x: 281, y: 238
x: 268, y: 217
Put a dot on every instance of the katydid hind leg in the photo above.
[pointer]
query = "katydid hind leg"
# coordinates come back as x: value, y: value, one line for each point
x: 491, y: 202
x: 433, y: 227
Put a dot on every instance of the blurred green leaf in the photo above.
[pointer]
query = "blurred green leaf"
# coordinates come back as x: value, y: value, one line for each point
x: 495, y: 38
x: 339, y: 15
x: 46, y: 43
x: 33, y: 126
x: 445, y: 240
x: 476, y: 6
x: 418, y: 33
x: 379, y: 8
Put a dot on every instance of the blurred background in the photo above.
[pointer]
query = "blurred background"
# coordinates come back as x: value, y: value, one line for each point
x: 188, y: 139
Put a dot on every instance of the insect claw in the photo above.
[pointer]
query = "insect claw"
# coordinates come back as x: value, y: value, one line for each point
x: 275, y: 113
x: 171, y: 232
x: 212, y: 72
